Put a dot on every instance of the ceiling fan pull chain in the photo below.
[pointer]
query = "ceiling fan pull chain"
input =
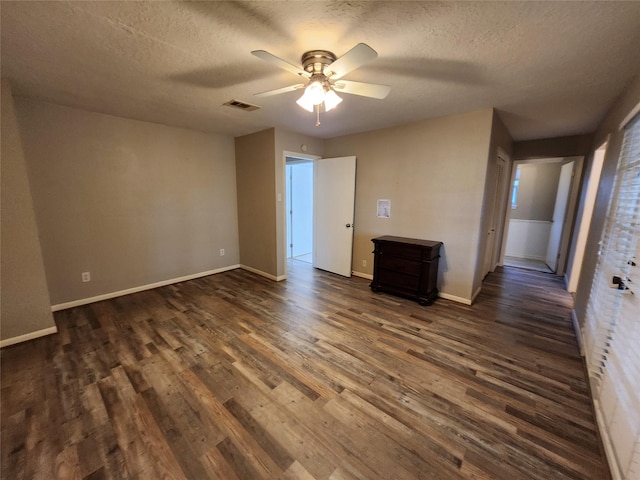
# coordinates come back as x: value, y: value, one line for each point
x: 317, y: 115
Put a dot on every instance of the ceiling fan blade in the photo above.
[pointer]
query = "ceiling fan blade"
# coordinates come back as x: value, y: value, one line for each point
x: 268, y: 57
x: 357, y: 56
x: 278, y: 91
x: 372, y: 90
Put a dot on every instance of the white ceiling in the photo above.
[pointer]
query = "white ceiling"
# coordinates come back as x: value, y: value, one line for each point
x: 550, y: 68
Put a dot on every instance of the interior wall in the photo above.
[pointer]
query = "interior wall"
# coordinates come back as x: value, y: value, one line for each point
x: 131, y: 202
x: 434, y: 174
x: 537, y: 191
x: 255, y: 176
x: 609, y: 128
x: 500, y: 143
x: 25, y: 307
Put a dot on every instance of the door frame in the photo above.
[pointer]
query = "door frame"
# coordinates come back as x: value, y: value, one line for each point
x: 584, y: 216
x: 559, y: 216
x: 281, y: 209
x: 570, y: 216
x: 292, y: 213
x: 498, y: 215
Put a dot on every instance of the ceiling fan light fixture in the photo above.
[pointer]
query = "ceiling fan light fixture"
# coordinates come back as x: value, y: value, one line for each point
x: 305, y: 102
x: 313, y: 95
x: 331, y: 100
x: 315, y: 92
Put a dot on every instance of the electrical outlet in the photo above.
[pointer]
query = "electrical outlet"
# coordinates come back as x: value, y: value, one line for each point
x: 364, y: 263
x: 86, y: 276
x: 222, y: 252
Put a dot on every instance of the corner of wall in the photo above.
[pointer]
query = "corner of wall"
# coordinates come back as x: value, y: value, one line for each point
x: 499, y: 140
x: 256, y: 187
x: 25, y: 305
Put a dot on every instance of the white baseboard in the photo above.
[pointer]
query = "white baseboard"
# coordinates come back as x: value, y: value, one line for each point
x: 455, y: 298
x: 120, y: 293
x: 28, y: 336
x: 362, y: 275
x: 263, y: 274
x: 475, y: 294
x: 576, y: 328
x: 526, y: 257
x: 609, y: 449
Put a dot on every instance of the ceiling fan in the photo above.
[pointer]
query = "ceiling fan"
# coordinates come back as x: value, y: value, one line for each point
x: 324, y: 72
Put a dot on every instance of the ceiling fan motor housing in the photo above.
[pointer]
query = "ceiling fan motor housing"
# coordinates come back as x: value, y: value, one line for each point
x: 315, y: 61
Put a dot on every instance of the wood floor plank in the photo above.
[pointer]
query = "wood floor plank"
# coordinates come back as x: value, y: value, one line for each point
x: 298, y: 438
x: 239, y: 444
x: 217, y: 466
x: 234, y: 377
x: 297, y: 472
x: 268, y: 443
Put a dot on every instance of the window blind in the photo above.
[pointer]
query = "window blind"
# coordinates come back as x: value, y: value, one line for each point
x: 612, y: 326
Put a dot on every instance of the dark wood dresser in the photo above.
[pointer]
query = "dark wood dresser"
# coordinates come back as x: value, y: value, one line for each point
x: 407, y: 267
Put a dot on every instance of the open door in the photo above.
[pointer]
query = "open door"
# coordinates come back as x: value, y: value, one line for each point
x: 559, y: 213
x: 334, y: 200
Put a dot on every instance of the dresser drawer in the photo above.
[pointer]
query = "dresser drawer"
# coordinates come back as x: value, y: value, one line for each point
x: 393, y: 249
x: 401, y: 281
x: 401, y: 264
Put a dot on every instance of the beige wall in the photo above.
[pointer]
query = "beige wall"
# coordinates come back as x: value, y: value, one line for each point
x: 255, y: 177
x: 132, y: 202
x: 609, y: 128
x: 434, y: 174
x: 24, y: 304
x: 537, y: 191
x: 500, y: 142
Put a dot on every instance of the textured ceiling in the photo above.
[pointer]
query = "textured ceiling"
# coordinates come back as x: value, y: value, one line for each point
x: 550, y: 68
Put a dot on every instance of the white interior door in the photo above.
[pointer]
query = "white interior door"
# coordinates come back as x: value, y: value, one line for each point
x: 334, y: 199
x: 559, y: 211
x: 495, y: 214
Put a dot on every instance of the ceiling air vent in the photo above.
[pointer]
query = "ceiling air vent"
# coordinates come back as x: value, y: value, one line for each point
x: 247, y: 107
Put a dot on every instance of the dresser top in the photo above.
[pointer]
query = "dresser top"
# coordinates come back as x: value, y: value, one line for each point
x: 412, y: 241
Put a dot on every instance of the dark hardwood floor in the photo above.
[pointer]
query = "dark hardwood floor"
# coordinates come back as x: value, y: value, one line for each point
x: 234, y: 376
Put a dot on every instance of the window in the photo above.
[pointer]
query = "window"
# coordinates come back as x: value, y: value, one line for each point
x: 516, y: 184
x: 612, y: 326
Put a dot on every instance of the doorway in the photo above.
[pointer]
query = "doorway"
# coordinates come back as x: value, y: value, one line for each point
x: 299, y: 209
x: 329, y: 193
x: 542, y: 201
